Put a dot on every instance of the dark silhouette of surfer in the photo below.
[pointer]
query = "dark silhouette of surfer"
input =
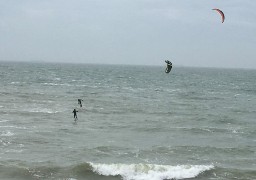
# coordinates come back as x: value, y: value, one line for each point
x: 169, y: 66
x: 80, y: 102
x: 75, y: 115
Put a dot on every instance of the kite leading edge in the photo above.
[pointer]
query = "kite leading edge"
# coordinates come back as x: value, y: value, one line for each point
x: 221, y: 13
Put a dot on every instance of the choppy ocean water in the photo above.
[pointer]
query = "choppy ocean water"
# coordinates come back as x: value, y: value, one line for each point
x: 136, y: 123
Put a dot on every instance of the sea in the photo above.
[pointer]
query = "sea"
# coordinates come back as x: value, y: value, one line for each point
x: 135, y: 123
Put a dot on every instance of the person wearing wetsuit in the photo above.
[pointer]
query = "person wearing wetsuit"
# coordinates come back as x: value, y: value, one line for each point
x: 80, y: 102
x: 75, y: 115
x: 169, y: 66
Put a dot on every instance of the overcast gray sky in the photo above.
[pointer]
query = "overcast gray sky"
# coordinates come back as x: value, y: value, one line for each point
x: 187, y: 32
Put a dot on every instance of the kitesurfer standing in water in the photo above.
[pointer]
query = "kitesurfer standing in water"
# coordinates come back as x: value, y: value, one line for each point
x: 80, y: 102
x: 75, y: 115
x: 169, y: 66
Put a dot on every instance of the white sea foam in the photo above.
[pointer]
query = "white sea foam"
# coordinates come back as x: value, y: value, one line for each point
x: 56, y: 84
x: 15, y: 82
x: 7, y: 133
x: 43, y: 110
x: 4, y: 143
x: 150, y: 171
x: 3, y: 120
x: 14, y: 151
x: 16, y: 127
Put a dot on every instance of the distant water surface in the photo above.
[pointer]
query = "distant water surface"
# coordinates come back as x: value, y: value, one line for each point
x: 136, y: 123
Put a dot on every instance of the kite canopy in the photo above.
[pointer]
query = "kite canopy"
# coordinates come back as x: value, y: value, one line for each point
x: 221, y: 13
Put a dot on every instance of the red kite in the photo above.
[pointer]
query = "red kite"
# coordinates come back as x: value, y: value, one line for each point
x: 221, y: 13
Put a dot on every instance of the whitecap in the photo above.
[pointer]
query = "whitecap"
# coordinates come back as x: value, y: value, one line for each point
x: 5, y: 143
x: 15, y: 82
x: 14, y: 151
x: 7, y: 133
x: 150, y: 171
x: 55, y: 84
x: 3, y: 120
x: 43, y: 110
x: 16, y: 127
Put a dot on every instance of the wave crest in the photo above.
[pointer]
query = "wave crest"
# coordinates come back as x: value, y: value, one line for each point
x: 150, y: 171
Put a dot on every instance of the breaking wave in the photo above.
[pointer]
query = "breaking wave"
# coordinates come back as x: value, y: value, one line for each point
x: 150, y: 171
x: 101, y: 171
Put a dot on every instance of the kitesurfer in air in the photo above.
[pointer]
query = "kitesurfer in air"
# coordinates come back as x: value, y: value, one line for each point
x: 169, y: 66
x: 80, y: 102
x: 75, y: 115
